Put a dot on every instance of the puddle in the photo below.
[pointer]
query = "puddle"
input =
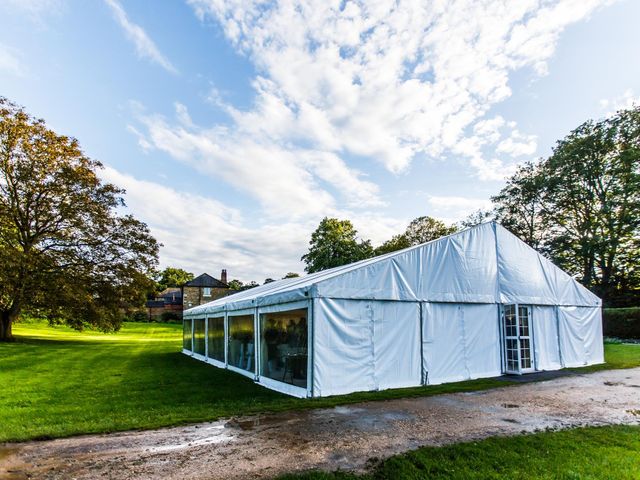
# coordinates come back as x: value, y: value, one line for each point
x: 249, y: 424
x: 217, y: 437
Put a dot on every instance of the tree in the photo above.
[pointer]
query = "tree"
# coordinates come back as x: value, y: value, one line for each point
x: 173, y: 277
x: 420, y: 230
x: 65, y: 253
x: 238, y: 286
x: 291, y: 275
x: 581, y: 206
x: 268, y: 280
x: 592, y: 200
x: 426, y: 229
x: 397, y: 242
x: 335, y: 243
x: 476, y: 218
x: 520, y: 204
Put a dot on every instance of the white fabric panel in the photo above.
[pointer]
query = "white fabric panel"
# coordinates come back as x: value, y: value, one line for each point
x: 545, y: 338
x: 521, y: 276
x: 364, y: 345
x: 342, y: 356
x: 482, y: 340
x: 443, y: 346
x: 460, y: 341
x: 594, y: 345
x: 461, y: 268
x: 526, y: 277
x: 396, y: 343
x: 458, y: 268
x: 581, y: 336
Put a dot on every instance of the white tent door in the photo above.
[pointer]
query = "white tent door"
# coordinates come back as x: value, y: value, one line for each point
x: 460, y: 342
x: 516, y: 324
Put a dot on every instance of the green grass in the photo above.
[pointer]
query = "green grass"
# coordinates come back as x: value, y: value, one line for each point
x: 58, y: 382
x: 578, y: 454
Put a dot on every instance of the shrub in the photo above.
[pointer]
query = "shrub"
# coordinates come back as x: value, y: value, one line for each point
x: 169, y: 317
x: 621, y: 322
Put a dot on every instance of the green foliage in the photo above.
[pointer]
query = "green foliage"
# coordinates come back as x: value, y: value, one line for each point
x: 420, y: 230
x: 268, y: 280
x: 64, y: 251
x: 168, y: 317
x: 581, y: 453
x: 172, y: 277
x: 334, y: 243
x: 621, y: 322
x: 291, y: 275
x: 476, y: 218
x: 581, y: 206
x: 238, y: 286
x: 87, y: 382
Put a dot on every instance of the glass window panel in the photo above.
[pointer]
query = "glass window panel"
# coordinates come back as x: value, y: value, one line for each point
x: 186, y: 334
x: 241, y: 342
x: 283, y: 337
x: 198, y: 336
x: 216, y: 338
x: 524, y: 321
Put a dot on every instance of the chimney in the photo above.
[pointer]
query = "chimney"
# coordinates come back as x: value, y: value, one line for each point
x: 223, y: 276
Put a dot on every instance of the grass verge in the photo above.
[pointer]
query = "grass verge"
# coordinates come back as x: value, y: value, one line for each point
x: 582, y: 453
x: 57, y: 382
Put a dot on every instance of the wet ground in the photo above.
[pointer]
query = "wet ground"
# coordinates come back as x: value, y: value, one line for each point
x: 337, y: 438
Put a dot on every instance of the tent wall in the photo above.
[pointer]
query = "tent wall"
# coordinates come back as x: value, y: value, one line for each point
x: 546, y: 343
x: 580, y: 336
x: 460, y: 341
x: 362, y: 345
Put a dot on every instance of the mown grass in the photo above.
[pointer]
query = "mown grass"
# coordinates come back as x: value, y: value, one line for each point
x: 57, y: 382
x: 578, y: 454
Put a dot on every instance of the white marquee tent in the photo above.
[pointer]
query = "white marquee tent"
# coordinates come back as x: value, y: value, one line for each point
x: 478, y: 303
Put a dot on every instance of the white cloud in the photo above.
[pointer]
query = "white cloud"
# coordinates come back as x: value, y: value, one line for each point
x: 286, y: 180
x: 10, y: 62
x: 625, y: 101
x: 145, y: 47
x: 202, y: 234
x: 452, y: 209
x: 388, y: 80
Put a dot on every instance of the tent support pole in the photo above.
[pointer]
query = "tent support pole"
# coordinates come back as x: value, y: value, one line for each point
x: 423, y: 372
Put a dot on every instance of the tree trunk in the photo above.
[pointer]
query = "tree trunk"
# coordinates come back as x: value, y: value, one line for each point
x: 7, y: 318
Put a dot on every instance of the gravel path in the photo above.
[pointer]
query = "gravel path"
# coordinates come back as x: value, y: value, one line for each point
x: 342, y: 437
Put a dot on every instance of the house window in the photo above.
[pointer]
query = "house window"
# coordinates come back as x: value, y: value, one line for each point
x: 206, y: 291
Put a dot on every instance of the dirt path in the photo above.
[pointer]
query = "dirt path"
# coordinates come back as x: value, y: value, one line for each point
x: 341, y: 437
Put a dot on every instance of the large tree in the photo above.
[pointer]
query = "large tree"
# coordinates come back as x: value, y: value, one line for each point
x: 335, y: 243
x: 592, y: 195
x: 65, y: 252
x: 173, y: 277
x: 581, y: 206
x: 420, y: 230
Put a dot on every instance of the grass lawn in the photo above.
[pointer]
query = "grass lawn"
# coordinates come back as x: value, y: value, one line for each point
x: 58, y: 382
x: 583, y: 453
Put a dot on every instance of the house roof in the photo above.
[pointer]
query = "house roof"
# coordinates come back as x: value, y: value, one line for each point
x: 206, y: 280
x: 482, y: 264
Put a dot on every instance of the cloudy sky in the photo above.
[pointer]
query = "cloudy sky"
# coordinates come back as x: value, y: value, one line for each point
x: 236, y: 126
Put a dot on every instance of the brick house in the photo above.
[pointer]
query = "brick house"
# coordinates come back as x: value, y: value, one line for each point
x: 167, y: 301
x: 201, y: 289
x: 204, y: 288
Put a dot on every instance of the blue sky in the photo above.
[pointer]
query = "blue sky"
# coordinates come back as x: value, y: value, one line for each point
x: 236, y: 126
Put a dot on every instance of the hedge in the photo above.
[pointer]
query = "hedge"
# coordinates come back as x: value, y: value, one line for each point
x: 621, y: 322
